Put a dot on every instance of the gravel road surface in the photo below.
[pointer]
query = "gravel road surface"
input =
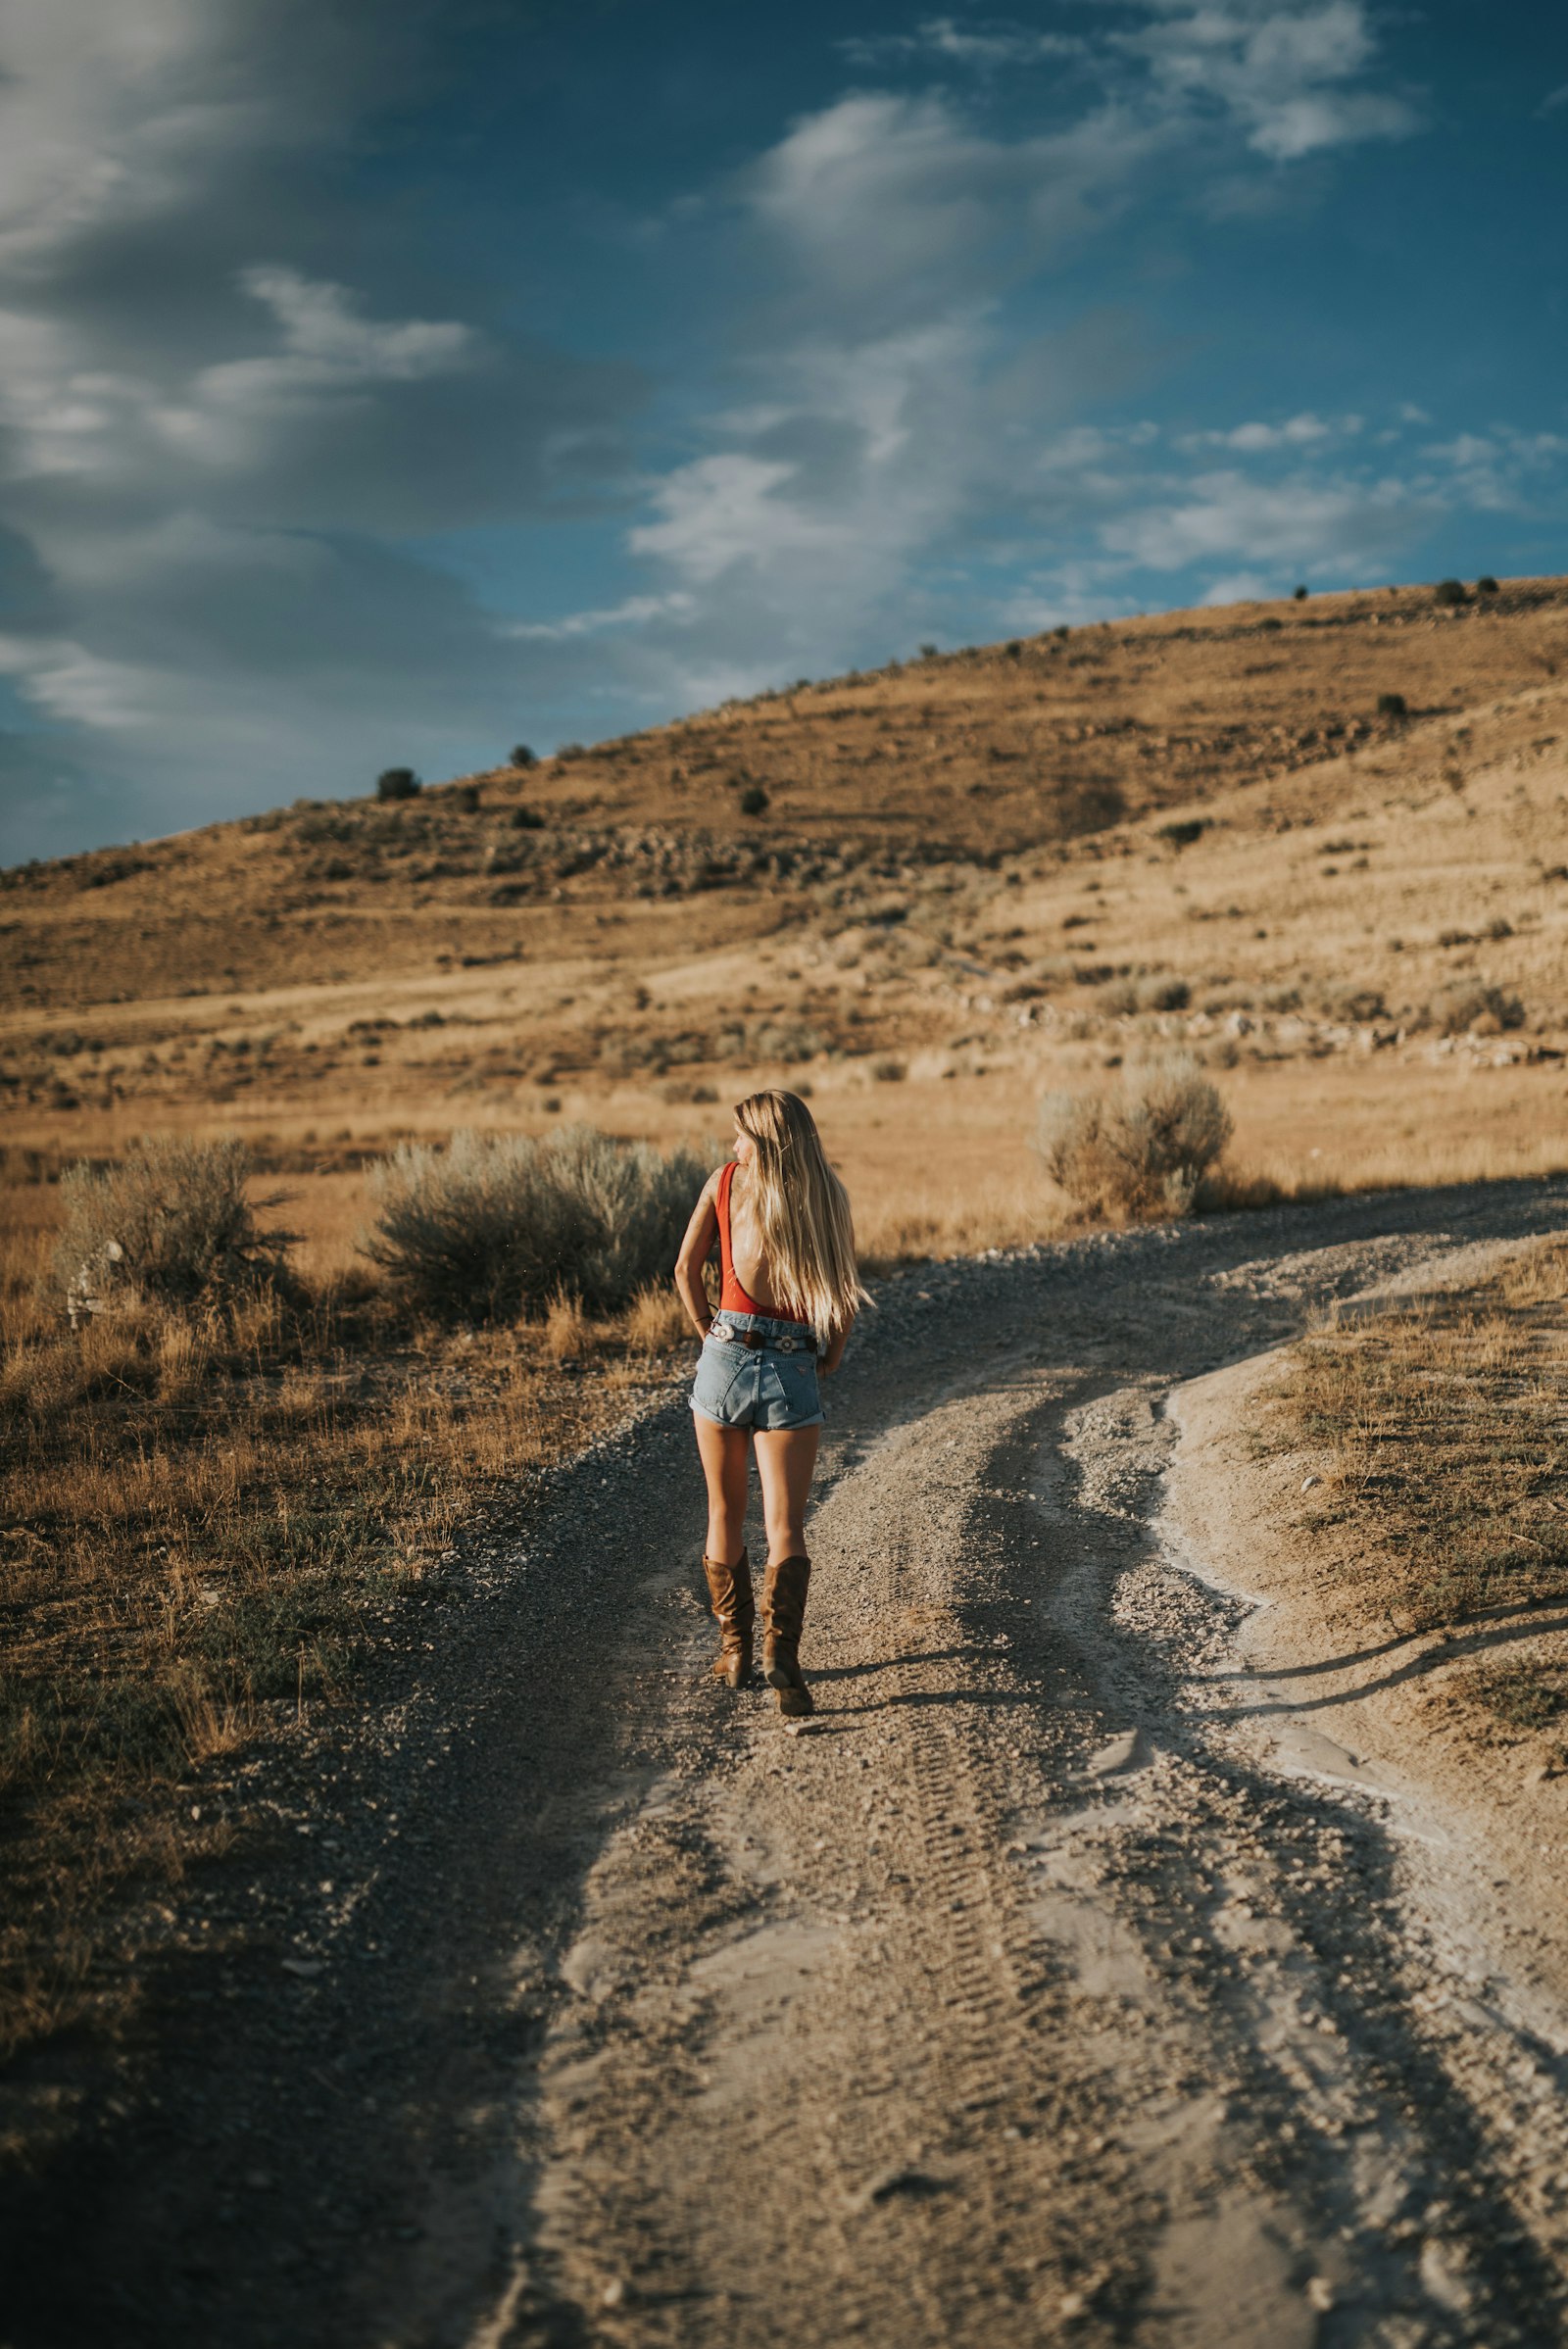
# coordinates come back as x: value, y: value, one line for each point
x: 1023, y: 1995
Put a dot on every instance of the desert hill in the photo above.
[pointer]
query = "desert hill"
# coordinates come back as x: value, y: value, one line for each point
x: 1322, y: 842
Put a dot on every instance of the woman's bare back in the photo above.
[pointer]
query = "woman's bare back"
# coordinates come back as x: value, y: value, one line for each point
x: 744, y: 1245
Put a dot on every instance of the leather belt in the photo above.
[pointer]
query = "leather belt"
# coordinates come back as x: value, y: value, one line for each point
x: 728, y: 1334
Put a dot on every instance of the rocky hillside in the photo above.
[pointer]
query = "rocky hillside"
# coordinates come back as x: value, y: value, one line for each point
x: 826, y: 795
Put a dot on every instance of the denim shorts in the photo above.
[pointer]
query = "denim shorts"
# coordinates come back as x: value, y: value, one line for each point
x: 742, y: 1387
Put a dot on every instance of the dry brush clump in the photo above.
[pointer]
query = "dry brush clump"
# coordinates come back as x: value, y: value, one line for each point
x: 1472, y: 1008
x: 497, y: 1226
x: 1141, y: 1150
x: 173, y: 1220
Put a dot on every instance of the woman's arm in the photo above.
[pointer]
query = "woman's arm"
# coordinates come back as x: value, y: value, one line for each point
x: 695, y: 1250
x: 835, y: 1352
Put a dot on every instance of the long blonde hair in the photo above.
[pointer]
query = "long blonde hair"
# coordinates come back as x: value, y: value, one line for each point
x: 803, y: 1212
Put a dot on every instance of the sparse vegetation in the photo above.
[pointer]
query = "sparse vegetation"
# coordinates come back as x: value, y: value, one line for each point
x: 1475, y: 1007
x: 208, y: 1500
x: 1393, y: 705
x: 331, y: 978
x: 1444, y: 1420
x: 397, y: 783
x: 1183, y: 831
x: 1141, y: 1150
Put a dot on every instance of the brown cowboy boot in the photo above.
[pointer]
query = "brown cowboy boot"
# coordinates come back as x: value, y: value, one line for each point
x: 784, y: 1589
x: 735, y: 1611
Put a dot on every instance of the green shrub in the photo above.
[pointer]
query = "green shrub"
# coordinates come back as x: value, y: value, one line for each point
x: 1301, y: 595
x: 1182, y: 831
x: 495, y: 1225
x: 1161, y: 992
x: 1393, y: 705
x: 522, y: 755
x: 173, y: 1220
x: 889, y: 1071
x: 1141, y: 1150
x: 1448, y: 592
x: 1486, y: 585
x: 753, y: 799
x: 398, y: 783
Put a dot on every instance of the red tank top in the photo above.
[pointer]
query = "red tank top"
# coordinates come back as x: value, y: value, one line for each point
x: 732, y: 1297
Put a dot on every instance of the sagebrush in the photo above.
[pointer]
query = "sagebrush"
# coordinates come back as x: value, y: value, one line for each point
x: 173, y: 1219
x: 1141, y: 1150
x: 497, y: 1225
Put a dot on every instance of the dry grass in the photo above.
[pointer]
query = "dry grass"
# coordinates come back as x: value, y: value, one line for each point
x: 202, y: 1519
x: 1444, y: 1421
x: 968, y: 872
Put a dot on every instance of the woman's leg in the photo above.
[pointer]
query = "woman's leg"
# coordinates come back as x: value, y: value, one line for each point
x: 724, y: 1561
x: 786, y: 1461
x: 723, y: 1451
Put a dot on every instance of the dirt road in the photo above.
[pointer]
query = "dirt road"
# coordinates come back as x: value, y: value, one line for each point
x: 1033, y: 1994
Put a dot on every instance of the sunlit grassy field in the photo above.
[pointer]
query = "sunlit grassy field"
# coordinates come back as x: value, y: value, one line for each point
x: 978, y: 881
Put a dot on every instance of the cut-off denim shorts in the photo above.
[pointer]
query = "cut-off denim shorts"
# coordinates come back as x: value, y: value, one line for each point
x: 767, y: 1388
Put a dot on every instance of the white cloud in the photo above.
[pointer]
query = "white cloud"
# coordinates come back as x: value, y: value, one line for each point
x: 329, y: 353
x: 1279, y: 72
x: 1500, y: 470
x: 634, y: 612
x: 1222, y: 516
x: 66, y: 681
x: 1251, y: 439
x: 723, y: 511
x: 885, y: 198
x: 1240, y: 587
x: 999, y: 42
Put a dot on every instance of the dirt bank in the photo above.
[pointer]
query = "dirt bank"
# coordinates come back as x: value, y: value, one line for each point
x: 1034, y: 1993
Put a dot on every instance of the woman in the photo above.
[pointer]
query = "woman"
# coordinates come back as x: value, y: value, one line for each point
x: 788, y: 1295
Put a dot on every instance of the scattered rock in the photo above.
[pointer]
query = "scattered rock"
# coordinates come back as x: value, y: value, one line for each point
x: 906, y: 2183
x: 1125, y: 1751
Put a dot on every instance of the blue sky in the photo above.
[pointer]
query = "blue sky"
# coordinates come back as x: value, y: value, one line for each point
x: 391, y: 384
